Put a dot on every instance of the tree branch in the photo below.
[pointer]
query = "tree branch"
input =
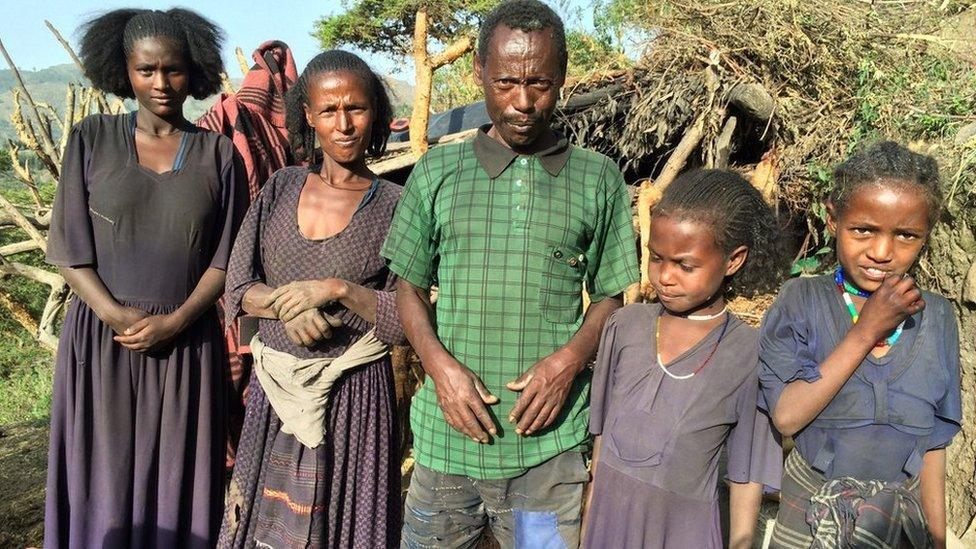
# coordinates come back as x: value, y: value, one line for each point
x: 33, y: 273
x: 18, y: 247
x: 460, y: 47
x: 45, y: 136
x: 23, y: 223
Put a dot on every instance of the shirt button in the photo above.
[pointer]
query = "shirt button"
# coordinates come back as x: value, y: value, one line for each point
x: 557, y: 254
x: 573, y: 262
x: 518, y: 208
x: 523, y: 161
x: 518, y: 182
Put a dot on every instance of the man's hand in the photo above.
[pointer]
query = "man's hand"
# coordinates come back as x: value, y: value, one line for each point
x: 462, y: 397
x: 310, y: 327
x: 544, y: 387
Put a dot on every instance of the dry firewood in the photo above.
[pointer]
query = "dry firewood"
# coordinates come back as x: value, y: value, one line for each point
x: 23, y: 223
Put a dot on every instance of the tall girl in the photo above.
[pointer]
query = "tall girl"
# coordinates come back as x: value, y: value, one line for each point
x: 861, y: 367
x: 676, y: 381
x: 142, y: 229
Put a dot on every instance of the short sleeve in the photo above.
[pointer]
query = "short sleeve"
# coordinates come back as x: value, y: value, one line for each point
x: 389, y: 329
x: 786, y: 347
x: 602, y: 382
x: 411, y: 246
x: 754, y: 449
x: 71, y: 242
x: 948, y: 411
x: 612, y: 254
x: 245, y: 264
x: 233, y: 204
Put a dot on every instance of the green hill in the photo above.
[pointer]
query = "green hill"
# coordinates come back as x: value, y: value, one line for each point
x: 49, y: 86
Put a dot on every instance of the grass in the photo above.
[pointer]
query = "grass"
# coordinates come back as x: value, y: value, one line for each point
x: 26, y: 368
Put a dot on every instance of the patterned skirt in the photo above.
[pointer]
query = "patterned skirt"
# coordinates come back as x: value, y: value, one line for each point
x: 343, y: 493
x: 816, y: 512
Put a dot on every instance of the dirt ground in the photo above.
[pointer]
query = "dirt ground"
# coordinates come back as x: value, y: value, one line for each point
x: 23, y: 460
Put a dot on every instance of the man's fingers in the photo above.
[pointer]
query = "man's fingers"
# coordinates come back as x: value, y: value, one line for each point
x: 540, y: 419
x: 520, y: 405
x: 484, y: 393
x: 520, y: 383
x: 472, y: 426
x: 553, y: 414
x: 484, y: 418
x: 531, y: 412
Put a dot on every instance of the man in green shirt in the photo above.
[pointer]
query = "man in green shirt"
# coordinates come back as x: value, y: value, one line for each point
x: 510, y: 226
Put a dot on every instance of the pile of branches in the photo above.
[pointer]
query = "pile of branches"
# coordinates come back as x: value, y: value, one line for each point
x: 839, y: 73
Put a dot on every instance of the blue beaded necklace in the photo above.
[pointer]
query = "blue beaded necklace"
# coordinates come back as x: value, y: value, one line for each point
x: 846, y: 289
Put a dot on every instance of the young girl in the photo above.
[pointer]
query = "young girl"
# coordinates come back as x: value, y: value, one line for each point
x: 142, y: 228
x: 865, y: 381
x: 676, y: 381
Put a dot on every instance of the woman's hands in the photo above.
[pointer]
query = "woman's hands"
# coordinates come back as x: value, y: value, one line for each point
x: 310, y: 327
x: 294, y: 298
x: 150, y: 331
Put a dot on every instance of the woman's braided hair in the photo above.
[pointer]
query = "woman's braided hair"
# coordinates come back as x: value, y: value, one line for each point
x: 302, y: 135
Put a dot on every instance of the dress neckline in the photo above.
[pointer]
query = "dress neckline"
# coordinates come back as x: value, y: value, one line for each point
x: 179, y: 161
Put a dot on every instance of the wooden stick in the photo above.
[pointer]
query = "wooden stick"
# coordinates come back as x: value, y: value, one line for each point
x: 33, y: 273
x: 48, y: 142
x: 19, y: 313
x: 423, y: 84
x: 242, y: 61
x: 648, y: 195
x: 723, y: 144
x: 23, y: 223
x: 98, y: 95
x: 450, y: 54
x: 226, y: 83
x: 18, y: 248
x: 387, y: 165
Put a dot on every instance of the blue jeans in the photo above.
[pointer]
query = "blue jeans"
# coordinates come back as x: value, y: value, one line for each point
x: 538, y: 510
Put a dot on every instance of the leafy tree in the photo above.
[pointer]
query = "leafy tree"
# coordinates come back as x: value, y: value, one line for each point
x: 404, y: 28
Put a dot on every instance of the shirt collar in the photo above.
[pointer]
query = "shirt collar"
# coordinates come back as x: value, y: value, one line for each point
x: 495, y: 157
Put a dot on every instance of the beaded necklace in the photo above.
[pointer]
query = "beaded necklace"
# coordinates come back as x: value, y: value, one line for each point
x: 660, y: 363
x: 846, y: 289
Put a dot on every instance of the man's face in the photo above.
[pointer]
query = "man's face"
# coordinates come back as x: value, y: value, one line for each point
x: 521, y: 79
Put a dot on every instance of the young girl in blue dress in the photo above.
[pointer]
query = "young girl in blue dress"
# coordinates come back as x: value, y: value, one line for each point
x: 677, y: 381
x: 861, y: 368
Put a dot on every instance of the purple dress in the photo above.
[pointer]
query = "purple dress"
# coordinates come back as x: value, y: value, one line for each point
x: 345, y: 492
x: 137, y: 439
x: 655, y: 483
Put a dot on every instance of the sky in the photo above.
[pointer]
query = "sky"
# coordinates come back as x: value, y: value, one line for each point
x: 247, y: 23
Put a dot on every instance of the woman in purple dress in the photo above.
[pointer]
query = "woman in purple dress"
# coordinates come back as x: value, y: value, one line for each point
x: 318, y: 462
x: 677, y: 381
x: 142, y: 229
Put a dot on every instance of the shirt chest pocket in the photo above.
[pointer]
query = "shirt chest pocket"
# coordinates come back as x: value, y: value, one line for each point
x: 561, y: 286
x: 639, y: 439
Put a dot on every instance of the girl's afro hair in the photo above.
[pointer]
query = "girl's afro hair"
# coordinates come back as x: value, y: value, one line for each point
x: 107, y: 39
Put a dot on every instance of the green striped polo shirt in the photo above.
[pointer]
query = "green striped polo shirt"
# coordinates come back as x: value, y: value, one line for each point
x: 510, y: 240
